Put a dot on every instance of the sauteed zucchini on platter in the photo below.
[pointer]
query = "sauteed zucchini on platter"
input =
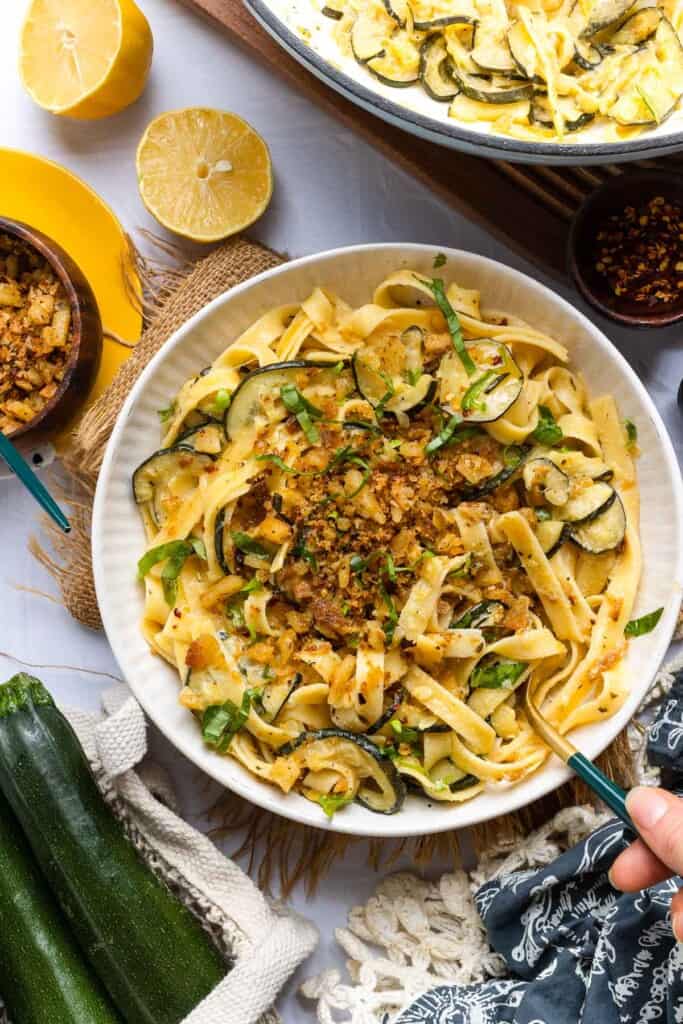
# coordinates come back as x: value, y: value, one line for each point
x: 369, y: 528
x: 538, y: 70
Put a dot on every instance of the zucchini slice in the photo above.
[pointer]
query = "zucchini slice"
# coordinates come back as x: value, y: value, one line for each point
x: 545, y: 482
x: 397, y: 11
x: 484, y: 615
x: 436, y: 70
x: 604, y: 532
x: 262, y: 383
x: 514, y: 456
x: 487, y: 395
x: 219, y: 542
x: 368, y: 36
x: 153, y: 477
x: 493, y: 89
x: 389, y: 71
x: 429, y: 24
x: 492, y: 54
x: 523, y: 52
x: 540, y: 112
x: 657, y: 85
x: 637, y: 28
x: 388, y: 373
x: 551, y: 535
x: 588, y: 504
x: 587, y: 55
x: 209, y: 438
x: 602, y: 14
x: 382, y: 789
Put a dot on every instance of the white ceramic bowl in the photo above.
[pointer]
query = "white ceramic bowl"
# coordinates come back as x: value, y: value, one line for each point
x: 118, y: 537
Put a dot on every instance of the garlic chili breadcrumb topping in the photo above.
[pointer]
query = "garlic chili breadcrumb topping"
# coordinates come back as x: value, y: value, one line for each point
x: 35, y: 333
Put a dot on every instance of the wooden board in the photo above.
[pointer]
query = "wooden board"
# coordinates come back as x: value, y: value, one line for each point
x: 503, y: 198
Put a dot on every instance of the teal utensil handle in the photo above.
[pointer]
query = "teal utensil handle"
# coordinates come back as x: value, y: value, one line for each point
x: 18, y: 464
x: 608, y: 791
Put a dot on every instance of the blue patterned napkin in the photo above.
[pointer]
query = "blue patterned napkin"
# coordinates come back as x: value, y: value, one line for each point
x: 578, y: 951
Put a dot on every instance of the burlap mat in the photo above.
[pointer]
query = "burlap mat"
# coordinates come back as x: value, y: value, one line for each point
x: 273, y: 846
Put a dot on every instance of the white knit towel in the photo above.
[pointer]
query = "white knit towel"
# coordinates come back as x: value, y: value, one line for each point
x: 266, y: 944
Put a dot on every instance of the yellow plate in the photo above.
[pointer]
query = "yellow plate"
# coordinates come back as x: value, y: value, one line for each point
x: 52, y: 199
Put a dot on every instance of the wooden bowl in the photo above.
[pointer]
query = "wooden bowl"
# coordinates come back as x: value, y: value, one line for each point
x: 86, y: 332
x: 632, y: 188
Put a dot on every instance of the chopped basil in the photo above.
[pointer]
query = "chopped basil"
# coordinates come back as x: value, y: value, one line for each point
x: 174, y: 553
x: 352, y: 455
x: 251, y: 587
x: 331, y: 802
x: 249, y: 545
x: 465, y: 569
x: 389, y: 626
x: 631, y: 433
x: 391, y: 568
x: 277, y: 461
x: 302, y: 551
x: 645, y: 624
x: 403, y: 733
x: 302, y: 409
x: 221, y: 402
x: 477, y: 616
x: 451, y: 435
x: 436, y: 287
x: 413, y: 376
x: 220, y: 722
x: 498, y: 674
x: 444, y: 436
x: 472, y: 399
x: 547, y: 431
x: 386, y: 397
x: 439, y: 261
x: 235, y: 613
x: 358, y: 565
x: 166, y: 414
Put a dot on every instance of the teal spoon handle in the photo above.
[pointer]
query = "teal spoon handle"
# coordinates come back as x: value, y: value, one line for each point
x: 608, y: 791
x: 18, y: 464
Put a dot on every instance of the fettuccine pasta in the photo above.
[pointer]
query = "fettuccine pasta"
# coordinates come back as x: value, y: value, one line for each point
x: 369, y: 529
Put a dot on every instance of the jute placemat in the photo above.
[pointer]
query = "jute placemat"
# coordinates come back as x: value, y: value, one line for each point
x: 273, y: 846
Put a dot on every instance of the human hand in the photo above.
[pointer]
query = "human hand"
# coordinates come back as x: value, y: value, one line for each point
x: 658, y: 816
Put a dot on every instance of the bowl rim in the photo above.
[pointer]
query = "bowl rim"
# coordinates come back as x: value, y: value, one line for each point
x: 59, y: 260
x: 635, y: 180
x: 456, y: 136
x: 391, y: 826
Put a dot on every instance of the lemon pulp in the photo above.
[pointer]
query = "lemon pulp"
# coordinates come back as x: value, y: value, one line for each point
x: 204, y: 174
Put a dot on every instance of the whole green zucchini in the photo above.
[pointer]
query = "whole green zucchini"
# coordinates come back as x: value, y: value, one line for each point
x: 43, y: 975
x: 148, y: 950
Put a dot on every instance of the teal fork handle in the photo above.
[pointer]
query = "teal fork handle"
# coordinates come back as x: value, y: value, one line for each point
x: 608, y: 791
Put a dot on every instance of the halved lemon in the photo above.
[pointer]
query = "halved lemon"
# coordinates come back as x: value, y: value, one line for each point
x: 203, y: 173
x: 85, y: 58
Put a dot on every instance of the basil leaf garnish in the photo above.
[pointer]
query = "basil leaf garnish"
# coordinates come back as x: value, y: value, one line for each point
x: 220, y: 722
x: 497, y: 675
x: 645, y: 624
x: 547, y: 431
x: 436, y: 286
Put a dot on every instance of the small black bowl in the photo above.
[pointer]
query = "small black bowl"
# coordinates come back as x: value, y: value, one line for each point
x: 632, y: 188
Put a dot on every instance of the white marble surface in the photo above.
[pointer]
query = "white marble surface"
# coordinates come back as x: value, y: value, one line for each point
x: 331, y: 189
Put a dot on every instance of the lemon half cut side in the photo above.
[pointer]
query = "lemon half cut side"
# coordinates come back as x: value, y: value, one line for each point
x: 204, y: 174
x: 85, y: 58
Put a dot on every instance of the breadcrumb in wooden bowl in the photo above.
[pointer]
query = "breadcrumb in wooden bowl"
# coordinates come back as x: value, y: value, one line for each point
x: 50, y: 332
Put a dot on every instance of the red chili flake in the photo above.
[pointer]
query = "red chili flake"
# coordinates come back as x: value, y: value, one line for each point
x: 640, y: 252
